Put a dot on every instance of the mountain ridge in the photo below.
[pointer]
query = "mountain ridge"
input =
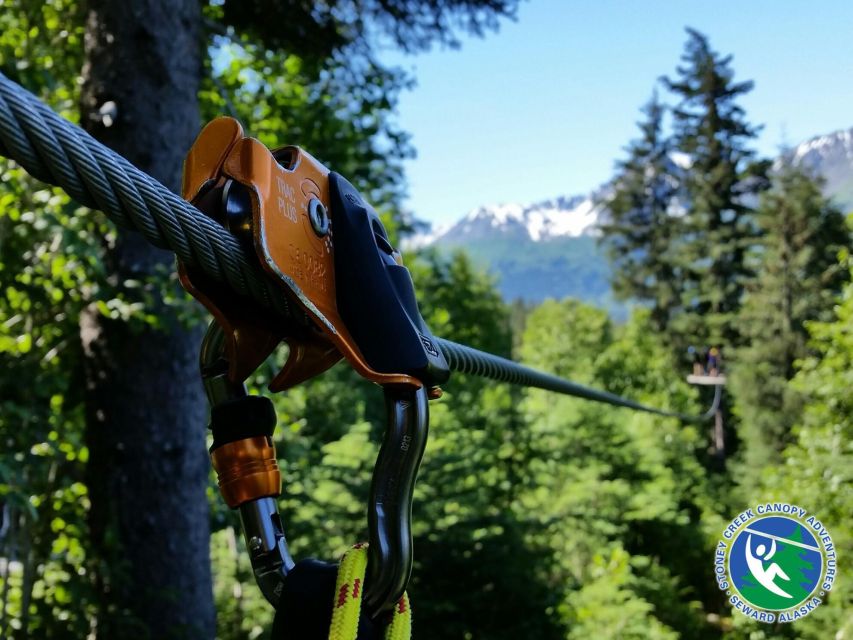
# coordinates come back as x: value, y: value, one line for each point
x: 549, y: 248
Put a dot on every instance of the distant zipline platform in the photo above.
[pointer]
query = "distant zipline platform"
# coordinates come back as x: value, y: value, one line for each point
x: 707, y: 380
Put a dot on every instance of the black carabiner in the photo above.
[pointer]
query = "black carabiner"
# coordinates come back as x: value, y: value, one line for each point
x: 389, y: 515
x: 389, y: 508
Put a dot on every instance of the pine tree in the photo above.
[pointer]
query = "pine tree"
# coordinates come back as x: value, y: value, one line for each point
x: 798, y: 278
x: 640, y: 230
x: 711, y: 129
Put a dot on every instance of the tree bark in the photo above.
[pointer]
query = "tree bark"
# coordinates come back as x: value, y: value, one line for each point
x: 146, y: 416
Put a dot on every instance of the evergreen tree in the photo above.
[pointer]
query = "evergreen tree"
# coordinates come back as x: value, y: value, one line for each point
x: 711, y: 129
x: 640, y: 230
x: 798, y: 277
x: 818, y: 463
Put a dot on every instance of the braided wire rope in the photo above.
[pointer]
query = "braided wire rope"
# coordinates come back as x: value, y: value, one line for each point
x: 58, y: 152
x: 52, y: 149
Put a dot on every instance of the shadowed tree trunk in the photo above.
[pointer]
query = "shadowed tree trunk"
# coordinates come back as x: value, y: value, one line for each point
x: 145, y: 408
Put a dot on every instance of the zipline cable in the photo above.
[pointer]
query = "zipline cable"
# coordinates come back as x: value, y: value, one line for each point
x: 465, y: 359
x: 54, y: 150
x: 60, y: 153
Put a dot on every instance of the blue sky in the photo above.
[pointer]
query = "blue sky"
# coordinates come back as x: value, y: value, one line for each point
x: 544, y: 107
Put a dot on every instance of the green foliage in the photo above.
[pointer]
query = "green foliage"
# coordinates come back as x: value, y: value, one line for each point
x: 607, y: 606
x: 458, y: 300
x: 797, y: 282
x: 548, y: 345
x: 241, y: 610
x: 613, y: 489
x: 818, y: 465
x: 469, y: 520
x: 49, y: 269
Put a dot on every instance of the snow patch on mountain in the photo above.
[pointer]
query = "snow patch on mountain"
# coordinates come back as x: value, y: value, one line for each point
x: 542, y: 220
x: 559, y: 217
x: 833, y: 146
x: 831, y: 157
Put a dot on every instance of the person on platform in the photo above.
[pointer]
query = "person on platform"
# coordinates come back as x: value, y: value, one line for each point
x: 714, y: 361
x: 698, y: 369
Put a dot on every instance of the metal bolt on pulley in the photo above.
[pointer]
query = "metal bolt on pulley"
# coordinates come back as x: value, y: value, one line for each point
x: 319, y: 217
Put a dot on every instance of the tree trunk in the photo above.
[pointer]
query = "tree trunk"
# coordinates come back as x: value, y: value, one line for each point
x: 146, y: 415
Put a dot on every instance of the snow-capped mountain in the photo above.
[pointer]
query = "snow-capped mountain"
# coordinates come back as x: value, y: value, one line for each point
x: 538, y: 250
x: 562, y: 216
x: 830, y: 156
x: 549, y: 248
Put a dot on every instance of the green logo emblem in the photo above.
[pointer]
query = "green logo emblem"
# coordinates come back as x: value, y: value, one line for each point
x: 775, y: 562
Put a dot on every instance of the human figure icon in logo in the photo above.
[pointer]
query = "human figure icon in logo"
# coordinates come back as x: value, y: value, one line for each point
x: 765, y: 576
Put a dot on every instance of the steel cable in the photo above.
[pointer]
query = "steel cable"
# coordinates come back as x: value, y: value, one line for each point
x: 465, y: 359
x: 60, y: 153
x: 56, y: 151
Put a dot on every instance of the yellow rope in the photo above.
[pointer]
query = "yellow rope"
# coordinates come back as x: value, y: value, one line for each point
x: 347, y: 605
x: 401, y: 624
